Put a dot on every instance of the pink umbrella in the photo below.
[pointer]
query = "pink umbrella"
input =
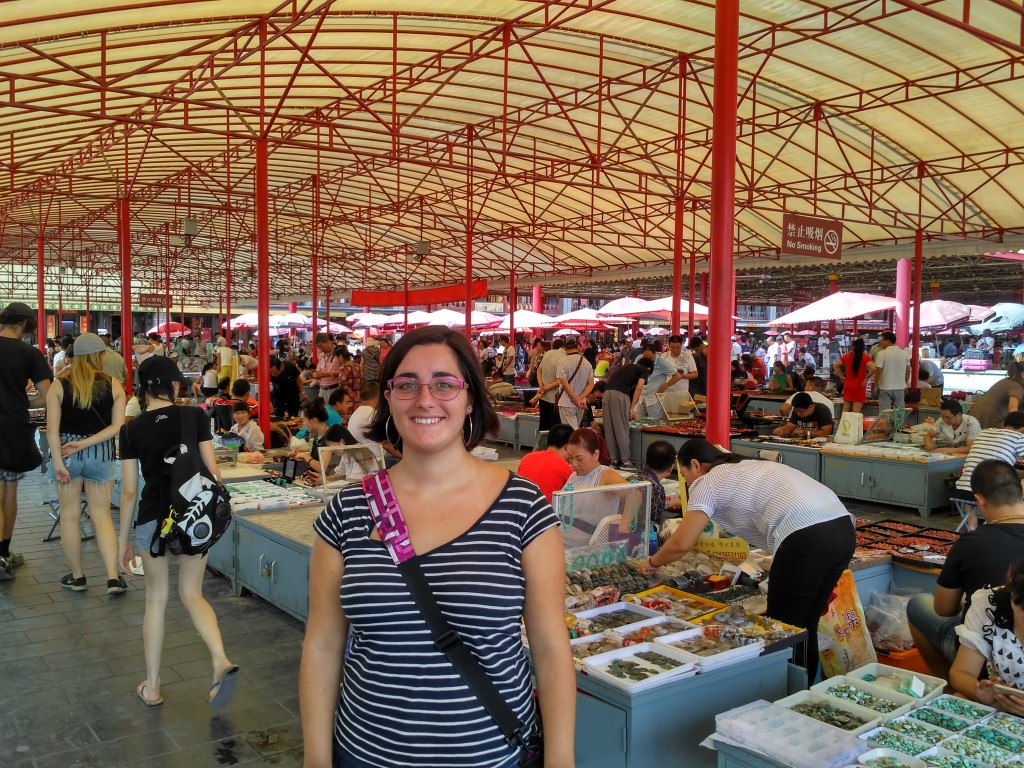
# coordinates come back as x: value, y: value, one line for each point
x: 248, y: 321
x: 332, y: 327
x: 940, y: 314
x: 171, y: 329
x: 663, y: 308
x: 837, y: 306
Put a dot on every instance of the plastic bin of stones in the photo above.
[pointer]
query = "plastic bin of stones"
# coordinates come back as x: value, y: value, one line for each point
x: 918, y: 730
x: 869, y: 719
x: 890, y: 677
x: 937, y: 757
x: 790, y: 738
x: 717, y: 660
x: 1006, y: 722
x: 650, y: 630
x: 894, y: 740
x: 971, y: 711
x: 878, y: 757
x: 632, y: 614
x: 597, y: 667
x: 981, y: 752
x: 902, y: 703
x: 591, y: 645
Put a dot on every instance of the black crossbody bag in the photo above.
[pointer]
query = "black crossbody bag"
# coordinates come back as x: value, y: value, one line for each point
x: 395, y: 535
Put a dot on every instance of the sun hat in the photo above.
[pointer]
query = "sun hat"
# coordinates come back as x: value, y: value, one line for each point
x: 89, y: 344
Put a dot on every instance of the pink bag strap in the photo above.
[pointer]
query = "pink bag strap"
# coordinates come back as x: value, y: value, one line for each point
x: 387, y: 516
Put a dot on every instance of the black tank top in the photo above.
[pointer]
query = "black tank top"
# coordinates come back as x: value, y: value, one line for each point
x: 88, y: 420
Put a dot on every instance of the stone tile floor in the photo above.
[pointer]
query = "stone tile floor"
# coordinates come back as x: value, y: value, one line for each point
x: 70, y: 662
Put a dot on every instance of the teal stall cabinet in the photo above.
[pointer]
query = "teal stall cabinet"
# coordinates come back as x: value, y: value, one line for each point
x: 273, y: 551
x: 526, y: 430
x: 918, y: 484
x: 664, y: 726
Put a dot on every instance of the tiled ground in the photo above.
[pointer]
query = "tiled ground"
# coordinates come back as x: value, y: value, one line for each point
x: 70, y: 661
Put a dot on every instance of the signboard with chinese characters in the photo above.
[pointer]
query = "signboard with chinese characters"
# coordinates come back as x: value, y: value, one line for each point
x: 152, y: 300
x: 730, y: 549
x: 811, y: 236
x: 83, y: 323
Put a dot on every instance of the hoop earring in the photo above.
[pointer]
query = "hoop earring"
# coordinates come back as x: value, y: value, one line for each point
x: 467, y: 438
x: 387, y: 433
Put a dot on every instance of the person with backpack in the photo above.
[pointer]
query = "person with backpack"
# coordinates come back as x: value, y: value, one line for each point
x: 145, y: 443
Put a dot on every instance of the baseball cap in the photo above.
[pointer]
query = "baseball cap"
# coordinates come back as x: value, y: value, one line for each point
x: 159, y: 370
x: 571, y: 342
x: 17, y: 309
x: 89, y: 344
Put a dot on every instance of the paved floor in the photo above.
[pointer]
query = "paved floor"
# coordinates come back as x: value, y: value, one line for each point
x: 70, y: 662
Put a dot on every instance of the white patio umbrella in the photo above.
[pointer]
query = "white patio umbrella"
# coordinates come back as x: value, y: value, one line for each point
x: 332, y: 327
x: 586, y: 318
x: 368, y: 319
x: 837, y: 306
x: 658, y: 331
x: 663, y: 308
x: 566, y: 332
x: 447, y: 317
x: 416, y: 317
x: 525, y: 318
x: 622, y: 306
x: 479, y: 319
x: 248, y: 321
x: 940, y: 314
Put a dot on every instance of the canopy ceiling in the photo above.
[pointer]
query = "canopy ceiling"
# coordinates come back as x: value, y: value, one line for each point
x: 558, y: 134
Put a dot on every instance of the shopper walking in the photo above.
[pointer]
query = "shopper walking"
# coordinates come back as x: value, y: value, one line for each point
x: 18, y: 453
x: 801, y: 522
x: 548, y: 387
x: 621, y: 396
x: 84, y: 413
x: 144, y: 443
x: 494, y: 538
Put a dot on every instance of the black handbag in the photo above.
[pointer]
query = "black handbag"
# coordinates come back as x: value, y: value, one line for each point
x: 393, y: 532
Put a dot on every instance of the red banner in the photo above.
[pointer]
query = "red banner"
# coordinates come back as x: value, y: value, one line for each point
x: 421, y: 296
x: 811, y: 236
x: 83, y: 324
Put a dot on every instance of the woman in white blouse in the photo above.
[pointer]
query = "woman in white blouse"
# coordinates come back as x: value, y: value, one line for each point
x: 800, y: 521
x: 992, y: 635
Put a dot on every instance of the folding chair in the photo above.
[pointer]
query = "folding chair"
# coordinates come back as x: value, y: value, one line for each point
x: 54, y: 513
x: 967, y: 509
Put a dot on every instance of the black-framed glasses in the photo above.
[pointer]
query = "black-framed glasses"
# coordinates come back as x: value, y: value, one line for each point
x: 441, y: 387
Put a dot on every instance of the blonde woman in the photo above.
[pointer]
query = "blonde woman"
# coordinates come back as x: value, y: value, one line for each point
x: 84, y: 412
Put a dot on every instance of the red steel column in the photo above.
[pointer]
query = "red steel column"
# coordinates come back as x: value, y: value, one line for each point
x: 227, y: 304
x: 512, y: 305
x: 677, y: 267
x: 263, y: 284
x: 469, y: 230
x: 41, y: 294
x: 723, y: 194
x: 316, y: 257
x: 538, y: 299
x: 327, y: 310
x: 704, y: 298
x: 124, y: 247
x: 935, y: 291
x: 915, y: 340
x: 833, y: 286
x: 903, y: 282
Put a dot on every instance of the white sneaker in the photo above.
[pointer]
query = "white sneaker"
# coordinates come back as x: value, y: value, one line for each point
x: 6, y: 572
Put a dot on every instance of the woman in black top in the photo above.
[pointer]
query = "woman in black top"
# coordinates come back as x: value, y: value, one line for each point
x: 83, y: 415
x: 146, y: 442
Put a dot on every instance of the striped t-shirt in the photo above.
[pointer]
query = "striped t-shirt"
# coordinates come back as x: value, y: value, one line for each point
x: 762, y: 501
x: 402, y: 702
x: 992, y: 443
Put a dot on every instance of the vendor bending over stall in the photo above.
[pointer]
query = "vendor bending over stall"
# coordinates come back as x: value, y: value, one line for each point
x: 800, y: 521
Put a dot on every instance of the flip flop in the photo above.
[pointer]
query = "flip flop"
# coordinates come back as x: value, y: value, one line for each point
x: 147, y: 703
x: 222, y: 691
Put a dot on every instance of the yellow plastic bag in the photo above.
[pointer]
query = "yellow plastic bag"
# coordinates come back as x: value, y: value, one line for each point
x: 844, y: 642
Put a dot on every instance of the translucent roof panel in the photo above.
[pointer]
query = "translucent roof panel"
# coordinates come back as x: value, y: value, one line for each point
x: 557, y: 137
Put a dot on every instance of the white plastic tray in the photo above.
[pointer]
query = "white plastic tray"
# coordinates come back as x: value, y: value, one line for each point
x: 985, y: 711
x: 596, y: 666
x: 905, y: 702
x: 999, y: 719
x: 707, y: 663
x: 960, y: 737
x: 870, y: 736
x: 933, y: 685
x: 672, y: 621
x: 934, y: 751
x: 871, y: 717
x: 937, y: 734
x: 906, y: 760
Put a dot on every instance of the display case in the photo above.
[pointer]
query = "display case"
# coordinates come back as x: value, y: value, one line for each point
x: 341, y: 465
x: 604, y: 525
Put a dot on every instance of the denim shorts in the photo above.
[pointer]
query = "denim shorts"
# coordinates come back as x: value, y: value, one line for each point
x: 142, y: 536
x: 86, y: 468
x: 940, y: 630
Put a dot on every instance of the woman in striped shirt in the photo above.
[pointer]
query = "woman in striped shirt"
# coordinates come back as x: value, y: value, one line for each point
x: 800, y: 521
x: 491, y: 553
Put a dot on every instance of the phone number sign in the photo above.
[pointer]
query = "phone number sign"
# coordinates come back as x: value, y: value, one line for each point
x: 811, y: 236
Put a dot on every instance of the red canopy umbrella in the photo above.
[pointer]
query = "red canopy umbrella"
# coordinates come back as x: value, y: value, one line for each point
x: 170, y: 329
x: 837, y: 306
x: 585, y: 319
x: 941, y: 314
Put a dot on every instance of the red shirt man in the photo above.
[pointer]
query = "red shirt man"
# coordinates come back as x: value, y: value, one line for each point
x: 549, y: 469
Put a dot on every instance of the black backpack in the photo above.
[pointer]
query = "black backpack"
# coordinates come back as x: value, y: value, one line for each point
x: 200, y: 507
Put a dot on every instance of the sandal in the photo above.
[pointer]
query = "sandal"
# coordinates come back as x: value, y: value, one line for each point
x: 140, y: 694
x: 222, y: 691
